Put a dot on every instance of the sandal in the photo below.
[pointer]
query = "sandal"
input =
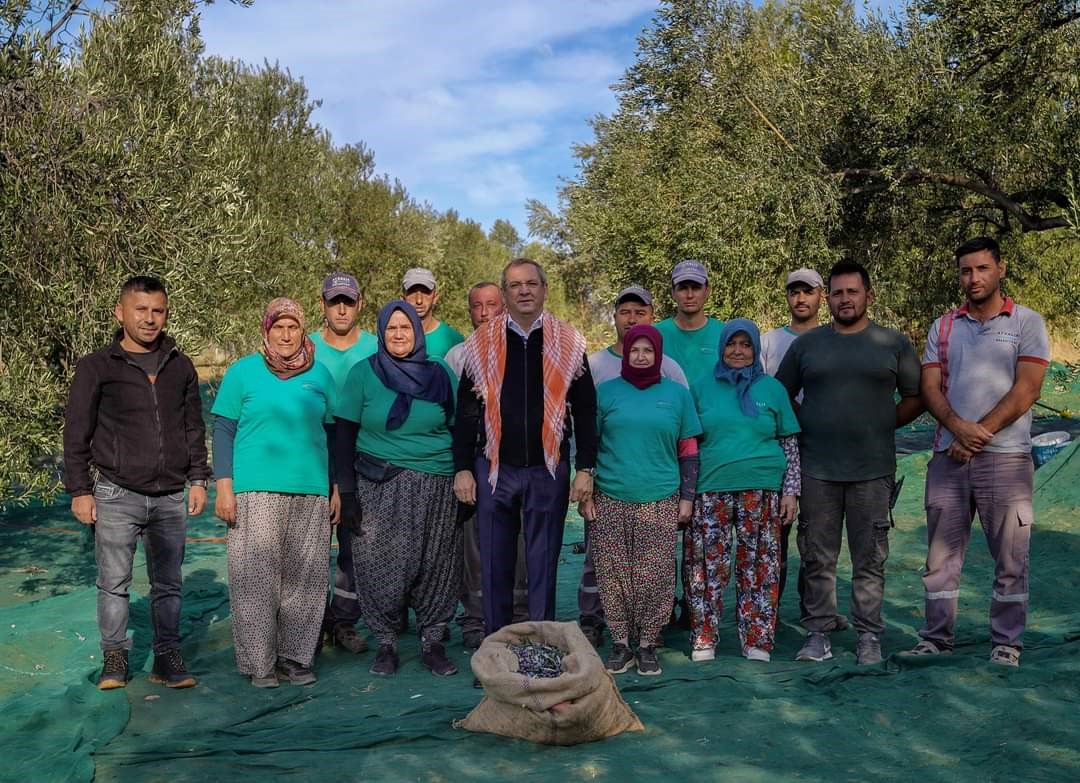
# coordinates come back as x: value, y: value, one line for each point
x: 925, y: 648
x: 1004, y: 655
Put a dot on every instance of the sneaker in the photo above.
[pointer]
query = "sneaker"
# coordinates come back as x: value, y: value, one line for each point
x: 756, y: 654
x: 386, y: 661
x: 868, y: 651
x: 701, y: 654
x: 816, y: 648
x: 296, y: 673
x: 169, y: 670
x: 472, y: 640
x: 925, y: 649
x: 1005, y: 655
x: 434, y: 657
x: 620, y: 660
x: 346, y: 637
x: 647, y: 662
x: 594, y: 632
x: 114, y: 670
x: 269, y: 681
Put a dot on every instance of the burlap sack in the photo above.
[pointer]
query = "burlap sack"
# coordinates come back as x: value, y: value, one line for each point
x: 581, y: 705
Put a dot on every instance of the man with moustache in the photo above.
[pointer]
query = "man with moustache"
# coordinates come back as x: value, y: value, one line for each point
x: 848, y: 371
x: 134, y: 415
x: 526, y: 378
x: 485, y: 303
x: 983, y: 369
x: 339, y: 344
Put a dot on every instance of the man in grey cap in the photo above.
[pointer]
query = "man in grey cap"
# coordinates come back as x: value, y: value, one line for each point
x: 633, y: 305
x: 691, y: 337
x: 418, y: 289
x: 340, y: 344
x: 804, y: 290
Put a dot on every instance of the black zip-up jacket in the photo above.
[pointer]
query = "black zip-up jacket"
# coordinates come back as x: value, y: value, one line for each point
x: 145, y: 437
x: 521, y: 400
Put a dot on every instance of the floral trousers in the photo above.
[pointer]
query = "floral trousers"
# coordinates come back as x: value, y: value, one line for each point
x: 754, y: 516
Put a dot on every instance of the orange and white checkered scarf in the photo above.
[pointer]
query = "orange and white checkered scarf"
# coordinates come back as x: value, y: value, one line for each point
x: 563, y: 362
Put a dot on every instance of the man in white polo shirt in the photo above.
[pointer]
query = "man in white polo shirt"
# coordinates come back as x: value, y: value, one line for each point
x: 983, y: 369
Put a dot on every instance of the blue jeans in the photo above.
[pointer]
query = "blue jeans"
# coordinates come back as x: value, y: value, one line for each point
x: 122, y: 517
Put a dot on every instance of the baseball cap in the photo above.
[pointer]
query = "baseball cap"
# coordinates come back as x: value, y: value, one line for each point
x: 418, y: 276
x: 806, y: 276
x: 340, y: 284
x: 635, y: 291
x: 691, y: 270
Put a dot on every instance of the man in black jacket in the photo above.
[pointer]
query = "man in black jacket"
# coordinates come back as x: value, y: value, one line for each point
x: 524, y: 374
x: 134, y: 414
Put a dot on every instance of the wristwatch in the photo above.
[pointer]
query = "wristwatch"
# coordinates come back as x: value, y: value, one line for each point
x: 198, y: 483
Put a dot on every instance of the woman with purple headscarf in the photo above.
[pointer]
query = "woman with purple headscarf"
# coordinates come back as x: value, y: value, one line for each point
x: 397, y: 473
x: 274, y: 489
x: 646, y: 470
x: 748, y: 488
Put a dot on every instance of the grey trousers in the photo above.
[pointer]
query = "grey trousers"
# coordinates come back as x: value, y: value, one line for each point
x: 999, y: 487
x: 472, y: 592
x: 825, y: 507
x: 277, y: 553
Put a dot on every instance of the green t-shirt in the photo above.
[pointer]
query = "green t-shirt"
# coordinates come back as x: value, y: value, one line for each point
x: 638, y: 431
x: 280, y: 442
x: 738, y: 452
x: 697, y: 351
x: 421, y: 443
x: 848, y: 411
x: 442, y: 339
x: 339, y: 362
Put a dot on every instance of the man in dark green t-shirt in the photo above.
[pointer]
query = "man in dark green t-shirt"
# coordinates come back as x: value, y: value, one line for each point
x: 849, y: 372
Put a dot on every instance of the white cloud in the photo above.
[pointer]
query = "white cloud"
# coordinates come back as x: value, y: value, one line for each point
x: 455, y: 99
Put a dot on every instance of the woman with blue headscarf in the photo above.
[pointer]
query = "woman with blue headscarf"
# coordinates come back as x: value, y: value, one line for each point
x: 748, y: 485
x: 394, y: 416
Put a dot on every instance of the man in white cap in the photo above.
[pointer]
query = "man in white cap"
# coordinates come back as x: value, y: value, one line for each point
x: 691, y: 337
x: 805, y: 290
x: 339, y: 345
x: 633, y: 305
x: 418, y: 289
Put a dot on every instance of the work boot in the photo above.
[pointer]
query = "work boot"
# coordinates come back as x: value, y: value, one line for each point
x: 346, y: 637
x: 169, y: 670
x: 114, y: 670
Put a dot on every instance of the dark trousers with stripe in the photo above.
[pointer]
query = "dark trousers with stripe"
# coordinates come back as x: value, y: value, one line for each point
x: 529, y: 500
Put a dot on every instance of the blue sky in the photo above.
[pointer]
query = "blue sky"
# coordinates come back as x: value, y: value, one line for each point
x: 473, y: 105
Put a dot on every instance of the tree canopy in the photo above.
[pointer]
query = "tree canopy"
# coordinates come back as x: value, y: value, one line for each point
x: 125, y: 150
x: 762, y: 138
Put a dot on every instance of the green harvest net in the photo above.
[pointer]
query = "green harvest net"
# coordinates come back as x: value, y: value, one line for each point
x: 957, y: 719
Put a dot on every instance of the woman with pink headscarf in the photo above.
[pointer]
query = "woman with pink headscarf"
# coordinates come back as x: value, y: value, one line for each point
x: 646, y: 474
x: 274, y: 490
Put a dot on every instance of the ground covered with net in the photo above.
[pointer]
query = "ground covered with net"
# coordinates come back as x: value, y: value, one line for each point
x: 956, y: 719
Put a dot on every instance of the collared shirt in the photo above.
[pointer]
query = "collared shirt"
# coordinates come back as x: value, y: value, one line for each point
x: 978, y: 364
x: 516, y: 327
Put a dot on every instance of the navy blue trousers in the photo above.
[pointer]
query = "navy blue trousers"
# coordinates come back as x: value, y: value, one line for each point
x: 529, y: 500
